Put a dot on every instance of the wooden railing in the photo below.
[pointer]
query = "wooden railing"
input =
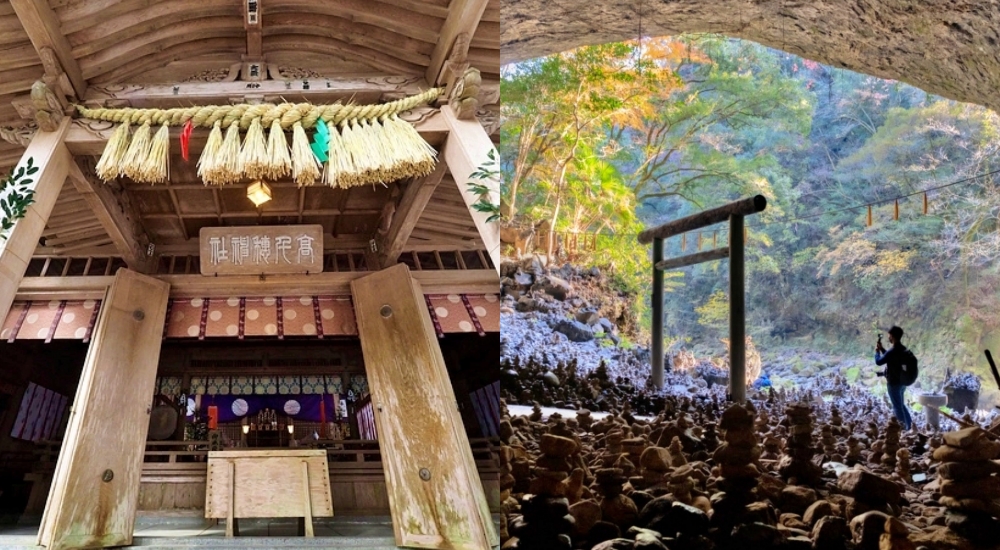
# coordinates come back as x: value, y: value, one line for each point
x: 485, y: 451
x: 174, y: 475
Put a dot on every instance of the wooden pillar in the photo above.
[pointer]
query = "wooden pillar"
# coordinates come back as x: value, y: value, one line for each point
x: 95, y: 488
x: 50, y: 155
x: 737, y: 312
x: 657, y: 345
x: 466, y: 149
x: 435, y: 495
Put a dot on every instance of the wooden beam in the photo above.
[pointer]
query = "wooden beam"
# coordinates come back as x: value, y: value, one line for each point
x: 737, y: 311
x: 470, y: 281
x: 463, y: 18
x: 411, y: 205
x: 117, y: 215
x: 52, y: 159
x: 84, y: 140
x: 320, y: 90
x: 692, y: 259
x: 656, y: 345
x: 42, y: 26
x: 749, y: 205
x: 466, y: 149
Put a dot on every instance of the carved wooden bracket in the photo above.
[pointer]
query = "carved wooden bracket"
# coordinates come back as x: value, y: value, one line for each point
x: 18, y: 135
x: 55, y: 77
x: 457, y: 62
x: 464, y: 98
x: 48, y: 109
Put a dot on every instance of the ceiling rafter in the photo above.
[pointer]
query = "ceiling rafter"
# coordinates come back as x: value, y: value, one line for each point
x: 42, y: 27
x: 463, y: 19
x: 406, y: 215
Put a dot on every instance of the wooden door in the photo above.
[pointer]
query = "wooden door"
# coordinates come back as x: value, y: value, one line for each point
x: 435, y: 495
x: 94, y: 492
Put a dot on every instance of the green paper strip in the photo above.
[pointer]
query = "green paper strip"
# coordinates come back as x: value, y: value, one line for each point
x: 321, y: 145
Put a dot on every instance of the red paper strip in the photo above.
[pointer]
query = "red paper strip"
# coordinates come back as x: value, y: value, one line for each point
x: 185, y: 139
x: 213, y: 417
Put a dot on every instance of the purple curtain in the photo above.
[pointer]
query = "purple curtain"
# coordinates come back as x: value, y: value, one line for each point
x: 233, y: 408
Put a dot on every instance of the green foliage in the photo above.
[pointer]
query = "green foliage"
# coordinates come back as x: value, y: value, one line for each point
x: 715, y: 312
x: 487, y: 173
x: 597, y: 141
x: 852, y: 375
x: 17, y: 196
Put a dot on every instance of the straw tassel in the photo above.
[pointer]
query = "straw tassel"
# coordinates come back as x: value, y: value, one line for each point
x: 253, y: 157
x: 421, y: 157
x: 305, y: 167
x: 279, y: 162
x: 340, y: 163
x: 156, y: 168
x: 228, y: 161
x: 109, y: 167
x: 209, y: 155
x: 137, y: 152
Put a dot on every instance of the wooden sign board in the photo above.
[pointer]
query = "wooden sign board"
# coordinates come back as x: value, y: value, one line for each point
x: 268, y: 484
x: 261, y: 250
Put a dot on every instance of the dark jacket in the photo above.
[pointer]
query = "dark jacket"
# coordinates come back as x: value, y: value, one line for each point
x: 893, y: 358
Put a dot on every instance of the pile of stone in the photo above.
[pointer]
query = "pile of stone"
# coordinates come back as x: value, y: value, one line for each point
x: 737, y: 459
x: 869, y: 492
x: 891, y: 444
x: 969, y: 486
x: 796, y: 464
x: 545, y: 520
x: 616, y: 508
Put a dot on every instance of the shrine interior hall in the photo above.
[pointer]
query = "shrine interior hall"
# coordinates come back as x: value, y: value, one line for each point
x: 253, y: 294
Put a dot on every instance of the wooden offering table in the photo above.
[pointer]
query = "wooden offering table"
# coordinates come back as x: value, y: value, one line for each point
x: 275, y: 483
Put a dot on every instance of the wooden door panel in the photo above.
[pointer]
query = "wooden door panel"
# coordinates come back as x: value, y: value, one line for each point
x: 87, y: 506
x: 417, y: 419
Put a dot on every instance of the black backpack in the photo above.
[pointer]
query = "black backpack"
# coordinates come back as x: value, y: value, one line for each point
x: 909, y: 368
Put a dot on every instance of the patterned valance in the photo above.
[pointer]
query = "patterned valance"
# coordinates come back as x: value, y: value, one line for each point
x: 241, y: 317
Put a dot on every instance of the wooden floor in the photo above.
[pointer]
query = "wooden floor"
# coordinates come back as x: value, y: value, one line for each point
x: 160, y: 532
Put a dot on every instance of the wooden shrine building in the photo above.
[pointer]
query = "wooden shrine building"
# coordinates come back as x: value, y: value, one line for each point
x: 251, y: 278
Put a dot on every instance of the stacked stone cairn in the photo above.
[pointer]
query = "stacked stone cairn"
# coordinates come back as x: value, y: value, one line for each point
x: 829, y: 443
x: 903, y: 464
x: 545, y: 522
x: 616, y: 508
x: 737, y: 459
x: 970, y: 486
x: 853, y: 451
x: 584, y: 419
x: 891, y: 444
x: 796, y: 464
x: 772, y: 447
x: 870, y: 492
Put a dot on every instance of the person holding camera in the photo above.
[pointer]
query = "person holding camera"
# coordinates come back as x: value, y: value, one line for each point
x: 894, y: 358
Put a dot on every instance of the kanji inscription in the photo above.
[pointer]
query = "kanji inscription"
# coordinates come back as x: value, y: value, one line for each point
x: 255, y: 250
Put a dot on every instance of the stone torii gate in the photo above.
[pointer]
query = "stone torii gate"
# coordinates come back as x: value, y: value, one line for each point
x: 734, y: 212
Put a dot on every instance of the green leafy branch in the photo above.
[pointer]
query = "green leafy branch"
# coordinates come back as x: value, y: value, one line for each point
x: 487, y: 173
x: 17, y: 196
